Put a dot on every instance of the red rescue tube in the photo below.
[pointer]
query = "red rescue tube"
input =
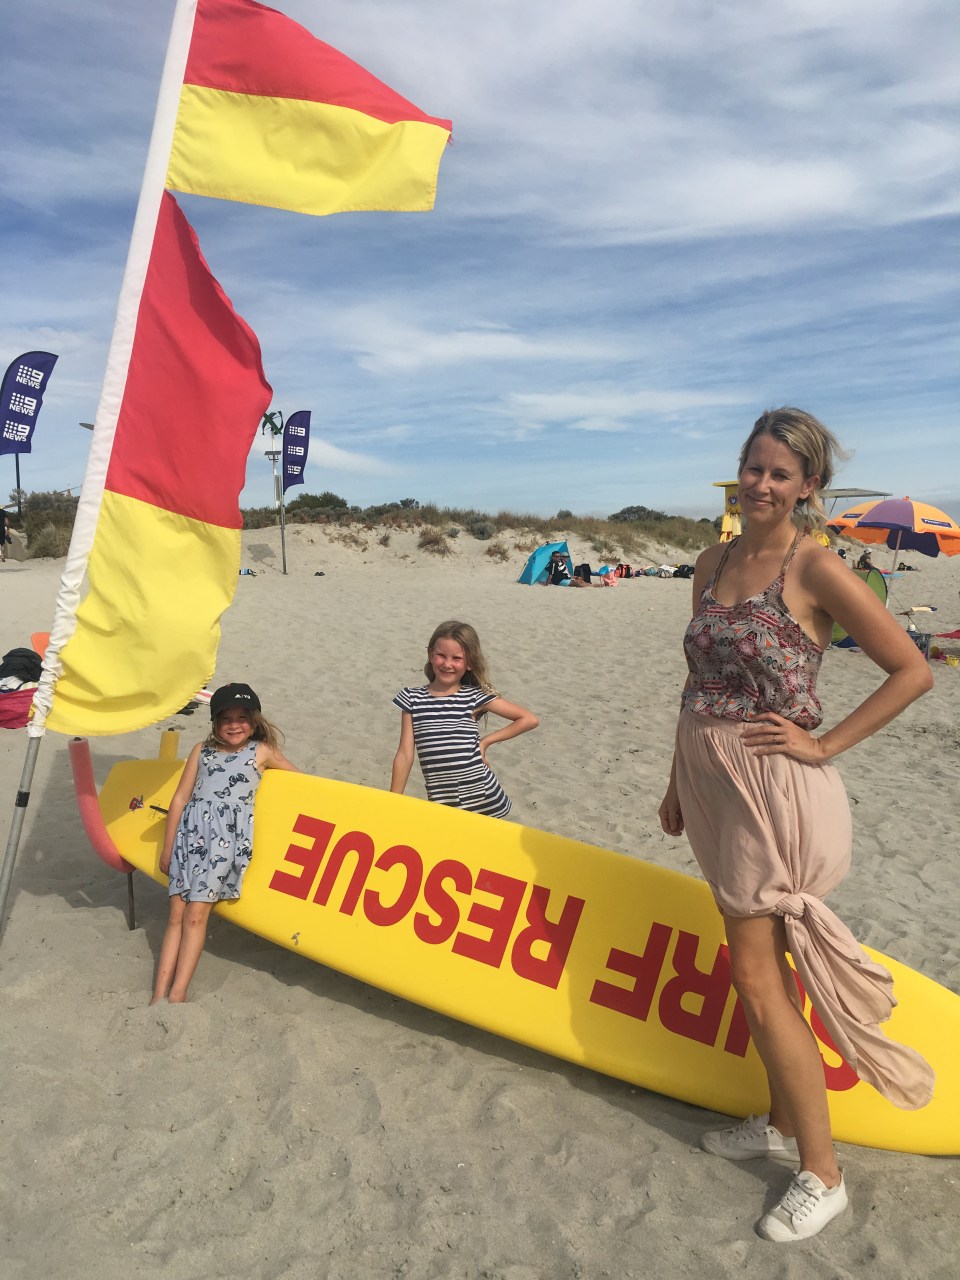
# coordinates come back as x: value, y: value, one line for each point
x: 85, y: 788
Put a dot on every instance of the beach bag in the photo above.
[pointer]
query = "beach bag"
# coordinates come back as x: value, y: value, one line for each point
x: 624, y: 571
x: 683, y: 571
x: 15, y: 708
x: 583, y: 571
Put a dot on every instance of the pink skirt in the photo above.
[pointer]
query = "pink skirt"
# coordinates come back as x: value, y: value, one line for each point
x: 773, y: 836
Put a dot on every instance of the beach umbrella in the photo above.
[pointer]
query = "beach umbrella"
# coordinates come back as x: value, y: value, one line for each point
x: 902, y: 524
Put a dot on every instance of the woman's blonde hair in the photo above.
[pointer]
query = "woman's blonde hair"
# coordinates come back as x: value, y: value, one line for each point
x: 463, y: 634
x: 815, y: 445
x: 263, y: 731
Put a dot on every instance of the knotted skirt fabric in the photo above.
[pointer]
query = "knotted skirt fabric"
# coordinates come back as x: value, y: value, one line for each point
x: 773, y: 836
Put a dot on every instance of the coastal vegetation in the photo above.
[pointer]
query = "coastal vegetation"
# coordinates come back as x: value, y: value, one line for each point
x: 47, y: 521
x: 627, y: 534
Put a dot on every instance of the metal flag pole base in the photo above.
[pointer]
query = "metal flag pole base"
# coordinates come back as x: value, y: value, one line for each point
x: 273, y: 455
x: 131, y: 906
x: 16, y: 827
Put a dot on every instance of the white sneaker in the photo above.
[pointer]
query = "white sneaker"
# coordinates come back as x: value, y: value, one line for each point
x: 806, y: 1209
x: 752, y: 1139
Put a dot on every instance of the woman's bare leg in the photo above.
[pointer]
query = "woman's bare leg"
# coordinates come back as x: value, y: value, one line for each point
x: 787, y: 1046
x: 779, y: 1117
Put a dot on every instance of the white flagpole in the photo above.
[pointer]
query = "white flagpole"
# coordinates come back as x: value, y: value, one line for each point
x: 108, y: 410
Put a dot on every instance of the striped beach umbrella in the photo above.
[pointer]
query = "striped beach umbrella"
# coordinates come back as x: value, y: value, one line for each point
x: 901, y: 524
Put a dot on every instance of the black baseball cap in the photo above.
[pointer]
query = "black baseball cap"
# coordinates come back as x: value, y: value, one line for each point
x: 233, y: 695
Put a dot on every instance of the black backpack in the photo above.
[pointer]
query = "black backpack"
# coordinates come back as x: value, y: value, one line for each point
x: 22, y: 664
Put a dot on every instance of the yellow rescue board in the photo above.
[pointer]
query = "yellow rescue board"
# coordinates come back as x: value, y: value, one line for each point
x: 586, y: 954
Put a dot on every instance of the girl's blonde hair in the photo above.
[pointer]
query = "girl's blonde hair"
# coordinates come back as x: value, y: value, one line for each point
x: 263, y: 731
x: 817, y: 447
x: 463, y: 634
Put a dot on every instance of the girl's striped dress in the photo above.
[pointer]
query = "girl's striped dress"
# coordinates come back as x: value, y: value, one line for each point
x: 448, y: 747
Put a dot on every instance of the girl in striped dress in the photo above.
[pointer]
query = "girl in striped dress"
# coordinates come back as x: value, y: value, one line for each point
x: 439, y: 721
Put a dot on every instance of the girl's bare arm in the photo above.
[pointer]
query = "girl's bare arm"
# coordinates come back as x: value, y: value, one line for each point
x: 403, y: 760
x: 182, y: 794
x: 520, y: 721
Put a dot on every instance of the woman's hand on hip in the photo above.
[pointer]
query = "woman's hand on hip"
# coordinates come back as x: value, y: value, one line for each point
x: 771, y: 735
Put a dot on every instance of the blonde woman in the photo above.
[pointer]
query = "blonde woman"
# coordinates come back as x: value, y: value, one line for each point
x: 766, y: 812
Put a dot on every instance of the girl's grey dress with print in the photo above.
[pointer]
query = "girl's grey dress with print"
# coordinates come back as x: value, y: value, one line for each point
x: 214, y: 839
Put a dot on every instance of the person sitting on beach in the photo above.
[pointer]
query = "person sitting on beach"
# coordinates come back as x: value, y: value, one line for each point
x: 440, y: 721
x: 208, y: 842
x: 557, y: 571
x: 865, y: 561
x: 766, y: 812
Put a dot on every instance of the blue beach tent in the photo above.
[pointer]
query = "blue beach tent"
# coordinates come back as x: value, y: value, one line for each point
x: 535, y: 570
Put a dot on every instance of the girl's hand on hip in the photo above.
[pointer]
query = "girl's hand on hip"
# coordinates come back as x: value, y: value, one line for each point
x: 771, y: 735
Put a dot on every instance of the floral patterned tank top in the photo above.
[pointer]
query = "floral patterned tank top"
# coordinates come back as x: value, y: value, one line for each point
x: 752, y: 657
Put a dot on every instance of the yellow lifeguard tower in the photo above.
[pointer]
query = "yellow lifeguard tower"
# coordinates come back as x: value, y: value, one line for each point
x: 730, y: 523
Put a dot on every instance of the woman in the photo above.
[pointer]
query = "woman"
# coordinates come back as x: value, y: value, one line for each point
x: 766, y: 813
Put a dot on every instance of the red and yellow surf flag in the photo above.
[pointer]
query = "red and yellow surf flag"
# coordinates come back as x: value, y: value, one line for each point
x: 252, y: 108
x: 270, y: 115
x: 166, y: 547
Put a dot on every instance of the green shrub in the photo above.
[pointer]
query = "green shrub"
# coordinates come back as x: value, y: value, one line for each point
x: 260, y: 517
x: 434, y: 541
x: 483, y: 530
x: 50, y: 542
x: 347, y: 538
x: 44, y: 509
x: 378, y: 514
x: 635, y: 513
x: 328, y: 499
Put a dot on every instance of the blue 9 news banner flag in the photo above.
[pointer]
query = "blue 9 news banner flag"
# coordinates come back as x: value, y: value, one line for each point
x: 296, y: 442
x: 21, y: 396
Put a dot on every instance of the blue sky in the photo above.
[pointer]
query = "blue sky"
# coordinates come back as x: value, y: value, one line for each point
x: 657, y: 218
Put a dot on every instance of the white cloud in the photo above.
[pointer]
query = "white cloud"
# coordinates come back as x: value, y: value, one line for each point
x: 383, y: 343
x: 643, y: 412
x: 329, y: 457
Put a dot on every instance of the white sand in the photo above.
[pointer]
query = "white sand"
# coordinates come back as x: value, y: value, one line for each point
x: 290, y: 1122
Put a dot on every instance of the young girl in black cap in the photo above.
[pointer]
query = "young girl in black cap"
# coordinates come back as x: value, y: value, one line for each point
x: 209, y: 836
